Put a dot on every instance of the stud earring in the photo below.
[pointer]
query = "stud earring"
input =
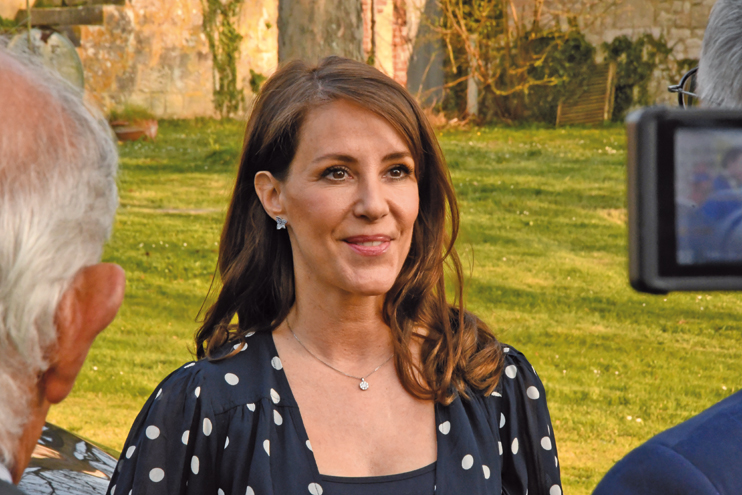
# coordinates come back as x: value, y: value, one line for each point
x: 280, y: 223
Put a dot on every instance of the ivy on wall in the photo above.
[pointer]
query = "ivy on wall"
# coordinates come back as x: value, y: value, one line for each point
x: 636, y: 62
x: 224, y: 42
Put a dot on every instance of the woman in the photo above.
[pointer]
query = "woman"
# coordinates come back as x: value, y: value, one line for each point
x: 349, y: 372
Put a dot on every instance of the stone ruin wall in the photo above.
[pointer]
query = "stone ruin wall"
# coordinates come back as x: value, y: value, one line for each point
x: 681, y: 22
x: 153, y: 53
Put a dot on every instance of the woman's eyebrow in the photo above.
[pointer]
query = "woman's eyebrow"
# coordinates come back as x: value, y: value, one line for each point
x: 397, y: 156
x: 335, y: 157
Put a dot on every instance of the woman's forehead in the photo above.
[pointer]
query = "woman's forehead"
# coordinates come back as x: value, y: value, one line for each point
x: 344, y: 127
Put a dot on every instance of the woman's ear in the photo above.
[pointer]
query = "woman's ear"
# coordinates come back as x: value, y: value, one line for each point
x: 268, y: 189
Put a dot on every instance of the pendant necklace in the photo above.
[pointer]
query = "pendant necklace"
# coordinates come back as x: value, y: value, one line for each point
x: 363, y: 385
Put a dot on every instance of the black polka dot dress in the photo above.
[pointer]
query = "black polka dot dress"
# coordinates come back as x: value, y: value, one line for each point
x: 233, y: 427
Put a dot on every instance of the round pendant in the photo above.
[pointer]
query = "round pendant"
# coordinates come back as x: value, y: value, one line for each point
x: 363, y: 384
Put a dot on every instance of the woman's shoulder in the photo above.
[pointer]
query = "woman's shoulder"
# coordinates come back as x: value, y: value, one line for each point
x: 240, y: 373
x: 518, y: 375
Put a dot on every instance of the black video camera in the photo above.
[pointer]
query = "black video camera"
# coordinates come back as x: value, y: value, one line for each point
x: 685, y: 199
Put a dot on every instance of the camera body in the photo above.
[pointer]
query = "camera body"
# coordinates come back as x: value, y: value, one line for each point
x: 685, y: 199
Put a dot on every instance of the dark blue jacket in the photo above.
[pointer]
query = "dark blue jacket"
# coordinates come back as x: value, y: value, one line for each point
x: 701, y: 456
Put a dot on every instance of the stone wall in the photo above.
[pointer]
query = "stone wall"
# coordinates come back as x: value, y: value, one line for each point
x: 153, y: 53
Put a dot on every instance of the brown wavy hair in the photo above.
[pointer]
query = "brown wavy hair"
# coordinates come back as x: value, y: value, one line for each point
x: 255, y: 260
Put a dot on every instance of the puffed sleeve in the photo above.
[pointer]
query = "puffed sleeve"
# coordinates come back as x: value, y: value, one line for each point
x: 530, y: 462
x: 172, y: 446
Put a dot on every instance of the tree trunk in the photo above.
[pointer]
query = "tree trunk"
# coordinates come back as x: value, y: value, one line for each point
x: 313, y: 29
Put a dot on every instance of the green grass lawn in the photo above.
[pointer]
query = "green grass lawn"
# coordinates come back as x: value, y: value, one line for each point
x: 544, y: 244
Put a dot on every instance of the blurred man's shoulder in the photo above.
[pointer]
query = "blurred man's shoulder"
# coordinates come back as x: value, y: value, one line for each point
x: 9, y: 489
x: 701, y: 455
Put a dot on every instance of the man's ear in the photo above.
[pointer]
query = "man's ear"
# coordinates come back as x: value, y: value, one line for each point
x: 87, y: 307
x: 268, y: 189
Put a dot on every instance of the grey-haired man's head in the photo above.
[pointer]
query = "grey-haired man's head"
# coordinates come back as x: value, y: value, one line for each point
x: 58, y: 197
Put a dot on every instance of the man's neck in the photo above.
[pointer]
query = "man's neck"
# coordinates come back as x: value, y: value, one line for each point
x: 5, y: 474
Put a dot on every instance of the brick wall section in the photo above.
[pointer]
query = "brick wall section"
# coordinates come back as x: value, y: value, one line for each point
x: 391, y: 36
x: 400, y: 43
x: 367, y: 38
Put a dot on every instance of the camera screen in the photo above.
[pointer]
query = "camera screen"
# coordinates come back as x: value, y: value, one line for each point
x: 708, y: 196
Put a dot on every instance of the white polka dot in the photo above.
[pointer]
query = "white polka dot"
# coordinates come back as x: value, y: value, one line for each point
x: 309, y: 445
x: 226, y: 443
x: 130, y: 451
x: 556, y: 461
x: 496, y: 394
x: 249, y: 491
x: 275, y: 397
x: 251, y: 407
x: 113, y: 490
x: 514, y: 446
x: 499, y: 444
x: 511, y: 371
x: 239, y: 346
x: 220, y: 492
x: 486, y: 472
x: 467, y: 462
x: 267, y: 446
x: 231, y: 378
x: 157, y: 475
x: 207, y: 427
x: 185, y: 436
x: 189, y: 365
x: 197, y: 391
x: 555, y: 490
x: 276, y: 363
x: 546, y: 443
x: 532, y: 393
x: 194, y: 464
x: 507, y: 349
x: 152, y: 432
x: 445, y: 427
x: 315, y: 489
x: 249, y: 334
x: 159, y: 393
x: 277, y: 418
x: 502, y: 420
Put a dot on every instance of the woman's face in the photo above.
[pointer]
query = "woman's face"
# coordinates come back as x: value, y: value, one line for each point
x: 351, y: 200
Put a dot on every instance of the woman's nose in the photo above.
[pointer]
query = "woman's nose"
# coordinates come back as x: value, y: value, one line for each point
x: 371, y: 202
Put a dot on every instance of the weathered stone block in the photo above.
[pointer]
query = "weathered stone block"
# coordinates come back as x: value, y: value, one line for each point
x: 681, y: 35
x: 157, y: 104
x: 693, y: 47
x: 64, y: 16
x: 173, y: 105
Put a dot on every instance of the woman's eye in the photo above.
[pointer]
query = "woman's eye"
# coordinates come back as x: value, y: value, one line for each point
x: 336, y: 174
x: 399, y: 172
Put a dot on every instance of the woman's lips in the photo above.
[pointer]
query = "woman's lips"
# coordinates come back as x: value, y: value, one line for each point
x: 369, y: 245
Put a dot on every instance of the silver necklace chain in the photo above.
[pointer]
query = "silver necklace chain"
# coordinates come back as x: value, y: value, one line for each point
x: 363, y: 385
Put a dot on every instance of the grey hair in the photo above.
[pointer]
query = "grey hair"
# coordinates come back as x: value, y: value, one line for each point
x: 720, y: 66
x: 58, y: 197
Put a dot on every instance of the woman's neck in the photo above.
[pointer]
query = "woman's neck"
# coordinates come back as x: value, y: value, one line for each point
x: 341, y: 329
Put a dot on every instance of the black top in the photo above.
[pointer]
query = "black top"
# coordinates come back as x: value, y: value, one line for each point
x: 418, y: 482
x: 233, y: 427
x: 9, y: 489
